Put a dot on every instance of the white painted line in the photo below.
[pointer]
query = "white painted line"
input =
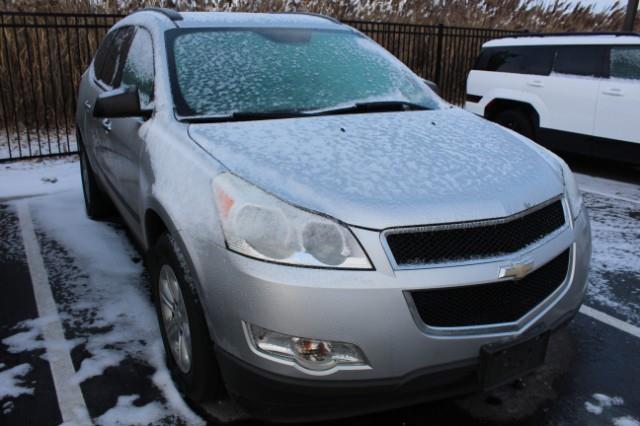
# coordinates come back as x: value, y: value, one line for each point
x: 609, y: 320
x: 604, y: 194
x: 70, y: 399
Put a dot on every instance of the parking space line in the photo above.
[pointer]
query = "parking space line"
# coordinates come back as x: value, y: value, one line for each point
x: 609, y: 320
x: 70, y: 399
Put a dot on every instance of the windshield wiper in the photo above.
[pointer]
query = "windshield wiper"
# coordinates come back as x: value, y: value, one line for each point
x: 377, y: 106
x: 244, y: 116
x: 359, y: 107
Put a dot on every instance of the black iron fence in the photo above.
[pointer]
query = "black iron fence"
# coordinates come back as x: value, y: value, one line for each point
x: 42, y: 57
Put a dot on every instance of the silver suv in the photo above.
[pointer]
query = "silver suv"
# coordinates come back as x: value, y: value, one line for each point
x: 325, y: 235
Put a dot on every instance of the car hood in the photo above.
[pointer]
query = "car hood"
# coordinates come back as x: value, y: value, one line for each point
x: 388, y: 169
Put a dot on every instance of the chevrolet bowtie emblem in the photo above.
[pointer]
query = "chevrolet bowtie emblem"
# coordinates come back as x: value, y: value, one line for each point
x: 517, y: 270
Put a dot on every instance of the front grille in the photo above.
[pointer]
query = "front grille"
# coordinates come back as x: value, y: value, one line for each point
x: 466, y: 241
x: 491, y: 303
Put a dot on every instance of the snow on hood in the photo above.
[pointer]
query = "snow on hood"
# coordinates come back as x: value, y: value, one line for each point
x: 387, y: 169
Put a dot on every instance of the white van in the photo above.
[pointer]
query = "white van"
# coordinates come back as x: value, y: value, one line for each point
x: 569, y: 92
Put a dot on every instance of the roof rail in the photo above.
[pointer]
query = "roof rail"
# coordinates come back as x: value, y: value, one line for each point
x: 172, y: 14
x: 317, y: 15
x: 605, y: 33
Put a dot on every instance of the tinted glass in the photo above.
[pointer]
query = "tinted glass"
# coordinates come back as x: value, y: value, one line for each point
x: 220, y: 72
x: 625, y: 62
x: 500, y: 59
x: 579, y: 60
x: 111, y: 70
x: 517, y: 59
x: 138, y: 68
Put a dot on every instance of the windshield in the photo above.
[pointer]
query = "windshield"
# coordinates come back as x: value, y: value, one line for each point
x: 219, y: 72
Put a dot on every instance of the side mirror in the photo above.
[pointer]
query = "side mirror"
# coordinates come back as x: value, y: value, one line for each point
x: 433, y: 86
x: 119, y: 103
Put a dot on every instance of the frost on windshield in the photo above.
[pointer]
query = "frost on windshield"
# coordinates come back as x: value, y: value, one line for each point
x: 262, y: 70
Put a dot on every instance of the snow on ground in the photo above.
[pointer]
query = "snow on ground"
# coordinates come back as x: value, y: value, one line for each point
x: 608, y: 187
x: 12, y: 385
x: 29, y: 338
x: 602, y: 401
x: 126, y: 413
x: 626, y: 421
x: 615, y: 265
x: 112, y: 314
x: 36, y: 177
x: 117, y: 318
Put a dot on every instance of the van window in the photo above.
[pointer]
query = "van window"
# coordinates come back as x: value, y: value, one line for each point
x: 579, y: 60
x: 517, y: 59
x: 625, y: 62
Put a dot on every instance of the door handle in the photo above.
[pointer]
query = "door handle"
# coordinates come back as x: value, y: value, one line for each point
x: 106, y: 125
x: 87, y: 105
x: 536, y: 83
x: 613, y: 91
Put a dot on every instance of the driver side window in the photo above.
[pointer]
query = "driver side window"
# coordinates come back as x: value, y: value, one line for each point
x: 138, y: 68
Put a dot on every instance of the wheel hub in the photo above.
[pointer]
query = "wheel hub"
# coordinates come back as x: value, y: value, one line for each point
x: 174, y: 318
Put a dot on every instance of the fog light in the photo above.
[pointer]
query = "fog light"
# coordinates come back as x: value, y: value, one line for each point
x: 308, y: 353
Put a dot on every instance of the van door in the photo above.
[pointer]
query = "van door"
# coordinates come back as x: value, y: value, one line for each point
x: 619, y: 97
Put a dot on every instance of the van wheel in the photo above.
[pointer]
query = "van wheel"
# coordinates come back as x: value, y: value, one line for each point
x: 516, y: 121
x: 188, y: 348
x: 96, y: 202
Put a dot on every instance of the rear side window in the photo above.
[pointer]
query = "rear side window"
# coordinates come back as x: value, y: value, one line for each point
x: 625, y: 62
x: 579, y: 60
x: 516, y: 59
x: 110, y: 70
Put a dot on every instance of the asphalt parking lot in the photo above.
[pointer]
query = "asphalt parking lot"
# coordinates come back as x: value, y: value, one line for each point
x: 79, y: 341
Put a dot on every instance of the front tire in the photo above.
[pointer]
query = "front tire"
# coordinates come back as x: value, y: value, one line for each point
x: 516, y: 121
x: 188, y: 348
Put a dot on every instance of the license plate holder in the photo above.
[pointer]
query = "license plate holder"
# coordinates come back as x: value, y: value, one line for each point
x: 502, y: 363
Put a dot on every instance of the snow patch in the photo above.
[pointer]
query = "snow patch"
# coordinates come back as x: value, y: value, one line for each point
x: 626, y: 421
x: 7, y: 407
x: 126, y: 413
x: 31, y: 338
x: 602, y: 401
x: 593, y: 408
x: 12, y: 383
x: 28, y: 178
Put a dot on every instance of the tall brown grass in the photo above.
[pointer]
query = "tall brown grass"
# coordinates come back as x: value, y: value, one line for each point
x: 534, y: 15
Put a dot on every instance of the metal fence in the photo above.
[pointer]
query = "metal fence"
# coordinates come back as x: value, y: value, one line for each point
x: 42, y: 57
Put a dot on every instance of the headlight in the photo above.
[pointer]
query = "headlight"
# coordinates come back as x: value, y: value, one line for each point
x: 261, y: 226
x: 571, y: 190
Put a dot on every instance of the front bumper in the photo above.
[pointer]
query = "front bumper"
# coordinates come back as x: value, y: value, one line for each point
x: 368, y: 309
x: 273, y: 397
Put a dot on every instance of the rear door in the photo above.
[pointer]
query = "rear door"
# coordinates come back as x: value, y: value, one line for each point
x: 618, y: 107
x: 570, y: 93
